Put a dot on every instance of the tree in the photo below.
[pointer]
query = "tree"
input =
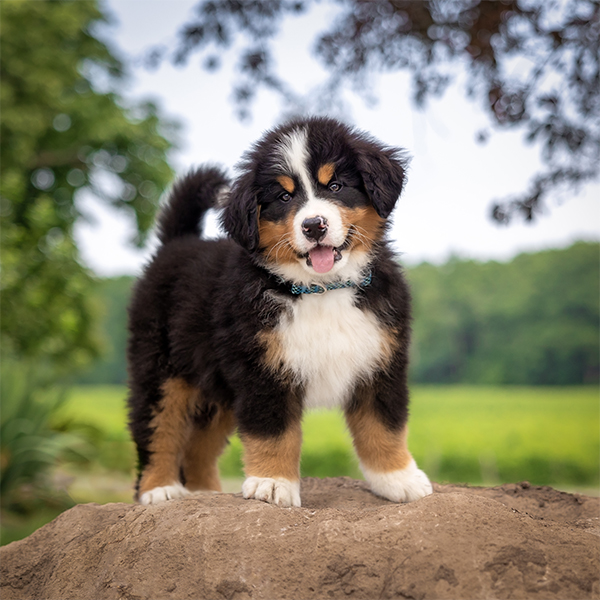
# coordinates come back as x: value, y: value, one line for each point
x: 65, y: 129
x: 552, y: 95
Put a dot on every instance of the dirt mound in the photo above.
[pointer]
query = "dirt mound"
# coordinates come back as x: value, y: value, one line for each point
x: 514, y: 541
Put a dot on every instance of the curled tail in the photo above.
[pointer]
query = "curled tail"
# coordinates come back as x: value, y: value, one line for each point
x: 188, y: 202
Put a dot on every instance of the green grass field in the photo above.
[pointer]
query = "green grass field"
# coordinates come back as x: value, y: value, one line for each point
x: 467, y: 434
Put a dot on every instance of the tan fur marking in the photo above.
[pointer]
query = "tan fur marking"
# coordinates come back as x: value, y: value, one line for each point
x: 325, y: 173
x: 389, y: 344
x: 172, y: 427
x: 273, y: 356
x: 379, y: 448
x: 287, y: 183
x: 206, y: 445
x: 275, y: 240
x: 365, y: 226
x: 275, y: 457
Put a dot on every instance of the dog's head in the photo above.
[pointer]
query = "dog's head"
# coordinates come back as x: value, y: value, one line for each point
x: 313, y: 198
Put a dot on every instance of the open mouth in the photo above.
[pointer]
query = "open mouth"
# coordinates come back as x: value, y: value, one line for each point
x: 322, y: 258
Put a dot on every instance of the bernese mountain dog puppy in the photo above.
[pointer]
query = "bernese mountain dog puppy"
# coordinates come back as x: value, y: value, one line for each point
x: 303, y: 305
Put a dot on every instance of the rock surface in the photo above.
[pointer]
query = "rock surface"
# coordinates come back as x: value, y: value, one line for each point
x: 514, y: 541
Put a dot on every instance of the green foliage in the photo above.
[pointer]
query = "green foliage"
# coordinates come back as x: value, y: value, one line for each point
x: 32, y: 439
x: 104, y: 406
x: 65, y: 132
x: 532, y: 321
x: 37, y: 435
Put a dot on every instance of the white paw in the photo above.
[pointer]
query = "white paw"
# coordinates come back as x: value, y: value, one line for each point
x: 279, y: 491
x: 162, y: 494
x: 404, y: 485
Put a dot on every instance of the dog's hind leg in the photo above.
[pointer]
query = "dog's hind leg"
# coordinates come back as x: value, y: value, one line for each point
x: 171, y: 427
x: 205, y: 445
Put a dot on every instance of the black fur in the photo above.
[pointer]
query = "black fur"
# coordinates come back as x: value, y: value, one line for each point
x: 190, y: 199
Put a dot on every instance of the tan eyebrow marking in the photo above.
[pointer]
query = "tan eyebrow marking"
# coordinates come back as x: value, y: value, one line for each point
x: 287, y: 183
x: 325, y: 173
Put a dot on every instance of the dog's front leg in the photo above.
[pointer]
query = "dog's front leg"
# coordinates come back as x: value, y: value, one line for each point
x: 272, y: 466
x: 384, y: 457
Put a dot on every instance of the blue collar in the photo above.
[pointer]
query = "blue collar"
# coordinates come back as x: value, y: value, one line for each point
x: 321, y: 289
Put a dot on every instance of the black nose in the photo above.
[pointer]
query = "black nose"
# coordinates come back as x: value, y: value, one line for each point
x: 314, y: 228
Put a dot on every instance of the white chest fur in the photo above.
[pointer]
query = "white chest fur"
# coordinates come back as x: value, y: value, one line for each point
x: 329, y: 345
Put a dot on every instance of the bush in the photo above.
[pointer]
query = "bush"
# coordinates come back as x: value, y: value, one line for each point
x: 33, y: 439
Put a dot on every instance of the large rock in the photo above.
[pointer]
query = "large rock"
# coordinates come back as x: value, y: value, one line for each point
x: 516, y: 541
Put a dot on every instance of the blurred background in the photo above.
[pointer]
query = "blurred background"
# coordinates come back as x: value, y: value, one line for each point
x: 104, y: 103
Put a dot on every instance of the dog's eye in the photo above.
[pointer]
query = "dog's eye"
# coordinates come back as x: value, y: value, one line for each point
x: 285, y: 196
x: 334, y: 186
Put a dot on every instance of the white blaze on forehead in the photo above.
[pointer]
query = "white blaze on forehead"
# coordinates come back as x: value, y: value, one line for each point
x: 295, y: 155
x: 294, y: 152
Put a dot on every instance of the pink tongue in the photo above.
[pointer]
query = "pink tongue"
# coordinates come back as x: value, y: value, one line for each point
x: 322, y: 258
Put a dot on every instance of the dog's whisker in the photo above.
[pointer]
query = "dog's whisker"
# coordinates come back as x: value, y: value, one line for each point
x: 277, y: 247
x: 359, y: 230
x: 365, y: 239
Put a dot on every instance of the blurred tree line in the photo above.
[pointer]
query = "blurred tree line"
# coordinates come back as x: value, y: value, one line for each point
x: 531, y: 321
x: 534, y: 320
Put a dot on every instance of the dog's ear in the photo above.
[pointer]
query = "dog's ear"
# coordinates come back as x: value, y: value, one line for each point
x: 382, y: 171
x: 240, y: 216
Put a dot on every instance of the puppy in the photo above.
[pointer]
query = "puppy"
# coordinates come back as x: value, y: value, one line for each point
x: 303, y: 305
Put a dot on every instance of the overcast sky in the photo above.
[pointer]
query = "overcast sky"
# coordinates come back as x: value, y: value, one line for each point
x: 452, y: 180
